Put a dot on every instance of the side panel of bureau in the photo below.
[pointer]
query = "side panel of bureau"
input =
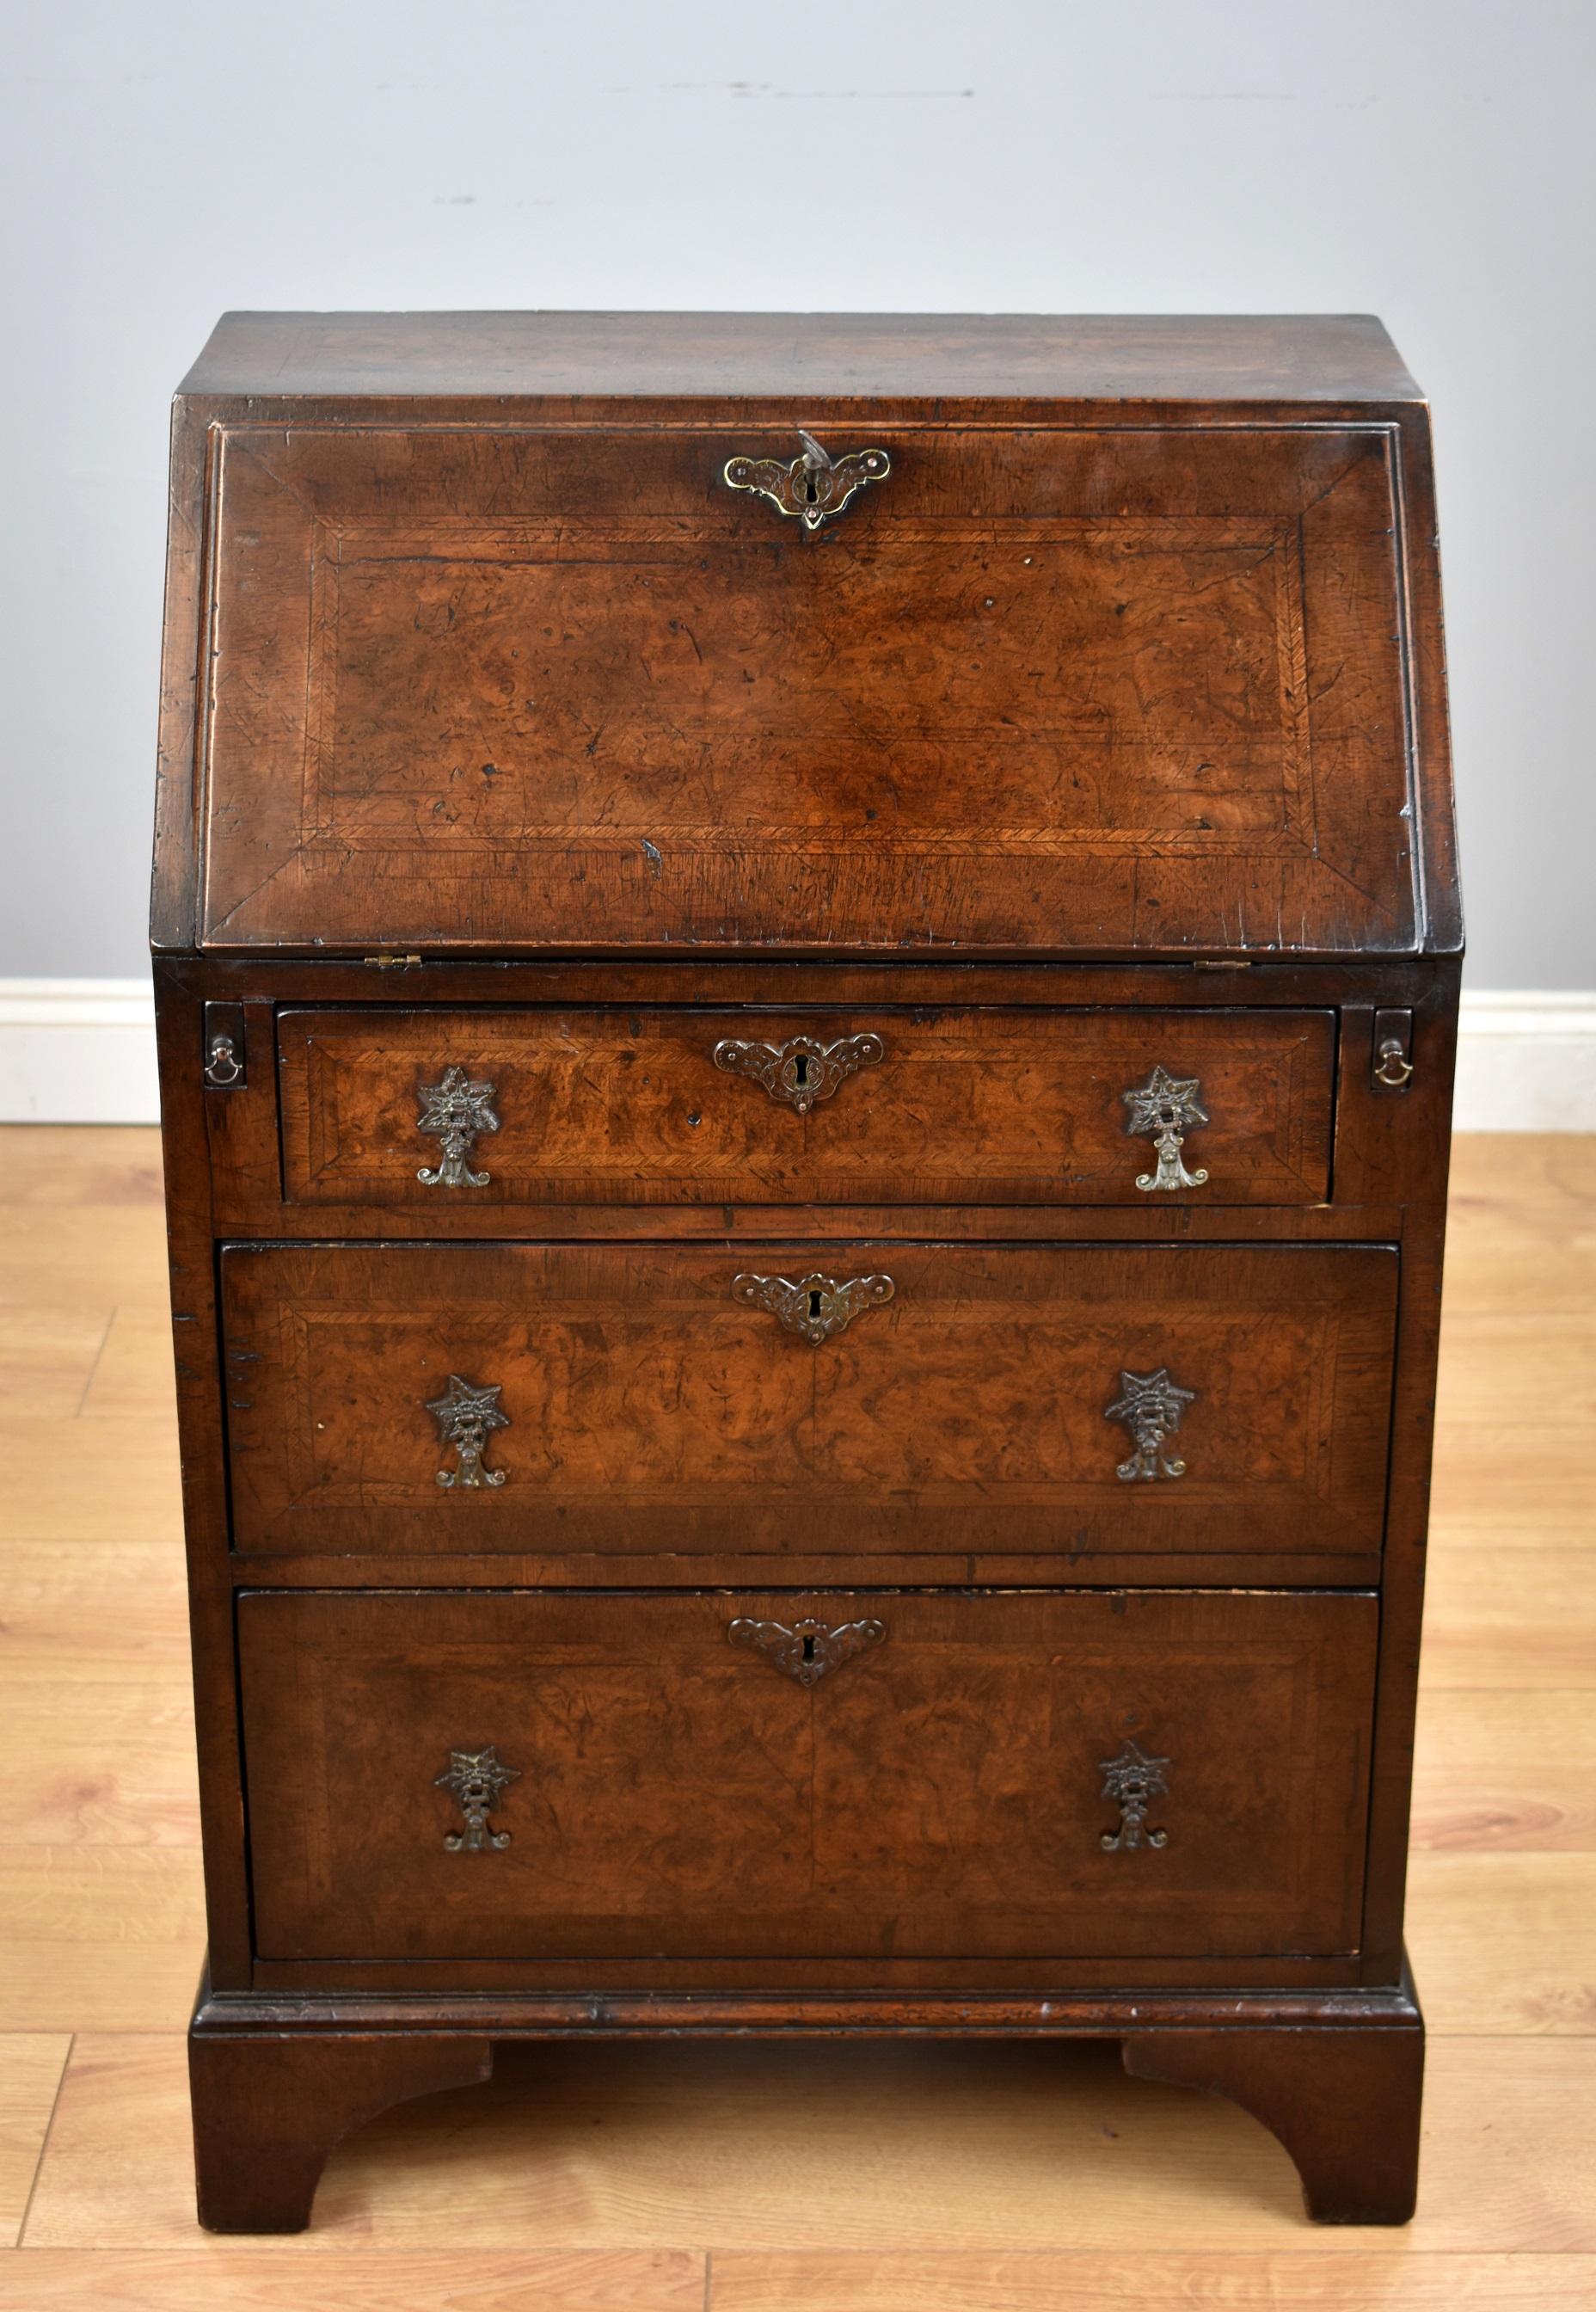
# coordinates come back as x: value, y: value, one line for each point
x: 645, y: 1106
x: 846, y: 1398
x: 959, y: 1778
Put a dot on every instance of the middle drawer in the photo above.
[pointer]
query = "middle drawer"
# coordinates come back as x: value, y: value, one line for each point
x: 838, y: 1399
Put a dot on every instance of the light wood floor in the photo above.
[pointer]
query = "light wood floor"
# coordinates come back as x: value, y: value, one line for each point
x: 818, y: 2178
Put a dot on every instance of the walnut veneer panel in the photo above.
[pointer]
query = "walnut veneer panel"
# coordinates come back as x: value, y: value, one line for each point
x: 941, y: 1791
x: 1043, y: 690
x: 651, y: 1408
x: 950, y: 1106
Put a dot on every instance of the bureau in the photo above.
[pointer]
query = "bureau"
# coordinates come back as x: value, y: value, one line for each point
x: 806, y: 974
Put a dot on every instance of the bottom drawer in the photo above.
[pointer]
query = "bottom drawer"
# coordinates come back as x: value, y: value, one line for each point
x: 838, y: 1774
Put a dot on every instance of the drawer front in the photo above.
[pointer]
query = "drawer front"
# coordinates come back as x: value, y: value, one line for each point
x: 739, y: 1107
x: 822, y: 1398
x: 1045, y: 690
x: 884, y: 1773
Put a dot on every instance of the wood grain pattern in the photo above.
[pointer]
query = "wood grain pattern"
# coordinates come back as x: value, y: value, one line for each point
x: 943, y: 1793
x: 898, y: 2151
x: 30, y: 2068
x: 1505, y: 1940
x: 835, y: 2177
x: 99, y: 1938
x: 1323, y: 2094
x: 350, y: 2280
x: 630, y: 1105
x: 635, y: 1382
x: 1119, y: 690
x: 1250, y: 357
x: 268, y: 2112
x: 817, y: 2280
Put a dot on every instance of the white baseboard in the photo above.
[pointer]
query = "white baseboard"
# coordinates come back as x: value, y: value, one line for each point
x: 83, y: 1051
x: 77, y: 1051
x: 1526, y: 1063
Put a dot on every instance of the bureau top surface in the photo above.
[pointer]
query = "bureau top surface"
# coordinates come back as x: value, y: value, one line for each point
x: 1251, y: 358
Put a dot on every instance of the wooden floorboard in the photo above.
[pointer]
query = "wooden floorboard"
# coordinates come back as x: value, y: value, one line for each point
x: 823, y: 2178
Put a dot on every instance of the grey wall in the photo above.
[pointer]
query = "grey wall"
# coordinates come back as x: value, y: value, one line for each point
x: 163, y: 160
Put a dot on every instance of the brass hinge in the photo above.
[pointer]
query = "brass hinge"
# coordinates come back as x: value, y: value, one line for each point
x: 390, y: 962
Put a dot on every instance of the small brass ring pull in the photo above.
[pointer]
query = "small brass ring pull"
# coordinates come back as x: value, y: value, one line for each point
x: 1132, y: 1782
x: 1164, y: 1109
x: 808, y: 1648
x: 815, y: 1307
x: 476, y: 1779
x: 1392, y: 1068
x: 803, y: 1071
x: 816, y: 485
x: 224, y: 1067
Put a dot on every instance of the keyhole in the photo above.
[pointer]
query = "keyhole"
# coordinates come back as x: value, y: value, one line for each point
x: 801, y: 1069
x: 814, y: 1303
x: 808, y: 1648
x: 811, y: 495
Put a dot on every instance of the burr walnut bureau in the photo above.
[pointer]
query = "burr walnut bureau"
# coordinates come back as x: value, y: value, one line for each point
x: 807, y: 973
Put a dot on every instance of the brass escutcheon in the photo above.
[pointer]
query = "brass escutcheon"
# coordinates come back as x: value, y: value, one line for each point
x: 808, y: 1648
x: 814, y: 1307
x: 816, y: 485
x: 803, y: 1070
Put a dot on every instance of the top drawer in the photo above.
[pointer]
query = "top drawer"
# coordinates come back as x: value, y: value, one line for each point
x: 465, y: 1110
x: 1036, y: 689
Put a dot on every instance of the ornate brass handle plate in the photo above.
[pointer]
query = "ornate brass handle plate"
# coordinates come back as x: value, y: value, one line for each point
x: 454, y: 1110
x: 813, y: 1307
x: 816, y: 485
x: 807, y: 1650
x: 1150, y: 1405
x: 467, y: 1416
x: 802, y: 1071
x: 1165, y: 1108
x: 1132, y: 1782
x: 476, y: 1779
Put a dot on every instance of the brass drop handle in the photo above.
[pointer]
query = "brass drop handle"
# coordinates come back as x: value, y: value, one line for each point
x: 454, y: 1111
x: 476, y: 1779
x: 814, y: 1307
x: 807, y: 1650
x: 1150, y: 1405
x: 1132, y: 1782
x: 1164, y: 1109
x: 803, y: 1071
x: 466, y: 1417
x: 814, y: 485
